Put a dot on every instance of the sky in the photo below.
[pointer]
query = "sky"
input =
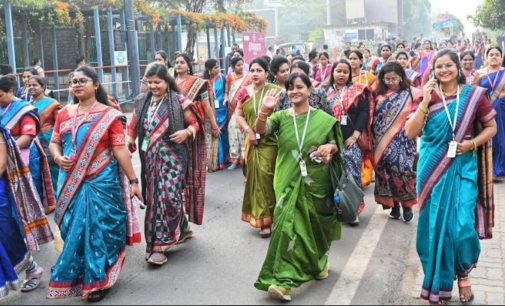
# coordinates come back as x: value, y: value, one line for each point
x: 459, y: 8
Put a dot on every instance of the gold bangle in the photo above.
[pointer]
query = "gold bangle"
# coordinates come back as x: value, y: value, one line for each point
x: 425, y: 110
x: 261, y: 112
x: 474, y: 145
x: 265, y: 120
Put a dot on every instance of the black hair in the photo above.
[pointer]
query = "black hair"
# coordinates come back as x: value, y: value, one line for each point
x: 464, y: 54
x: 8, y: 83
x: 240, y: 51
x: 298, y: 58
x: 80, y: 59
x: 6, y: 69
x: 293, y: 76
x: 267, y: 58
x: 386, y: 46
x: 361, y: 44
x: 347, y: 53
x: 161, y: 71
x: 400, y: 44
x: 187, y: 59
x: 325, y: 46
x: 325, y: 54
x: 302, y: 66
x: 270, y: 48
x: 41, y: 80
x: 100, y: 94
x: 455, y: 58
x: 209, y: 65
x: 332, y: 78
x: 31, y: 70
x: 313, y: 55
x: 35, y: 61
x: 276, y: 64
x: 234, y: 61
x: 368, y: 50
x: 417, y: 45
x: 164, y: 55
x: 396, y: 68
x: 262, y: 62
x: 402, y: 53
x: 494, y: 48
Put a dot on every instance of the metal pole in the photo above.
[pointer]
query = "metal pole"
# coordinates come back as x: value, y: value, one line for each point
x: 223, y: 52
x: 126, y: 72
x: 133, y: 48
x: 179, y: 31
x: 228, y: 35
x: 160, y: 40
x: 151, y: 38
x: 110, y: 28
x: 10, y: 35
x: 98, y: 39
x: 328, y: 10
x: 41, y: 40
x: 216, y: 43
x: 209, y: 51
x: 55, y: 65
x: 26, y: 55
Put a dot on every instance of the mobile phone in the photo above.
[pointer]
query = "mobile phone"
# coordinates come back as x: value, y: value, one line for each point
x: 138, y: 202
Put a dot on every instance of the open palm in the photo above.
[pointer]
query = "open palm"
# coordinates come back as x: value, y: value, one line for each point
x: 271, y: 99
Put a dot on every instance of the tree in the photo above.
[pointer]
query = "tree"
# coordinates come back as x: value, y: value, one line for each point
x: 301, y: 17
x: 490, y: 15
x: 416, y: 16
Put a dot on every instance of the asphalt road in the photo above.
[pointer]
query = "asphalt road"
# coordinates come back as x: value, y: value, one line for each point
x: 220, y: 264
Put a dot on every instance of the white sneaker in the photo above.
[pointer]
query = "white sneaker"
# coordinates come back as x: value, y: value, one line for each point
x: 355, y: 222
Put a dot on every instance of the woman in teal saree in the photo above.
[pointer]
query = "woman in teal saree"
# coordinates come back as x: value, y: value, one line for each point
x: 305, y: 220
x: 453, y: 180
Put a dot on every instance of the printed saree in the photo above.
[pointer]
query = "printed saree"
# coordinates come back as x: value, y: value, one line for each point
x: 305, y: 219
x: 94, y: 219
x: 259, y: 197
x: 172, y: 174
x: 223, y: 155
x: 394, y: 153
x: 448, y: 190
x: 237, y: 144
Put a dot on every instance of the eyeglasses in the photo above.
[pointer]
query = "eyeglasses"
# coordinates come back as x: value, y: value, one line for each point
x: 80, y: 82
x: 392, y: 81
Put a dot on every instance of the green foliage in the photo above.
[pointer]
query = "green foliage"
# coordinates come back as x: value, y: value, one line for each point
x: 416, y: 17
x: 317, y: 33
x: 301, y: 16
x: 491, y: 15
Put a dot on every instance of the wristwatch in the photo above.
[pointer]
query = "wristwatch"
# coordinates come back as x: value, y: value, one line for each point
x: 134, y: 181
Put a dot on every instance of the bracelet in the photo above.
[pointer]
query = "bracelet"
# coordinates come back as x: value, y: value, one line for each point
x: 262, y: 120
x: 134, y: 181
x: 261, y: 112
x: 189, y: 132
x: 474, y: 145
x: 425, y: 110
x: 247, y: 129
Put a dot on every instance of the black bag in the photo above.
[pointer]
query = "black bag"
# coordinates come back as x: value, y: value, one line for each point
x: 45, y: 146
x: 348, y: 196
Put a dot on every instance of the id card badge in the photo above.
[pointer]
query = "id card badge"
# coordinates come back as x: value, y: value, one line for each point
x: 303, y: 168
x: 145, y: 144
x: 216, y: 103
x: 453, y: 147
x: 258, y: 136
x: 343, y: 121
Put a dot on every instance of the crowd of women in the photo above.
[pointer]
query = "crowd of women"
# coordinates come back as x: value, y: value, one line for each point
x: 291, y: 125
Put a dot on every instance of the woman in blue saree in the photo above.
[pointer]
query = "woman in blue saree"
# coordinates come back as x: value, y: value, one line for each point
x: 492, y: 78
x: 453, y: 180
x: 19, y: 201
x: 94, y: 210
x: 47, y: 109
x: 218, y: 82
x: 23, y: 122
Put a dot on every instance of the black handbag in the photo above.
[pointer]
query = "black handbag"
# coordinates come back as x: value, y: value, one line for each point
x: 347, y: 196
x: 45, y: 146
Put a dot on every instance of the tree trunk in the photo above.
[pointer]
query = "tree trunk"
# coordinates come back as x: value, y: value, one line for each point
x: 190, y: 46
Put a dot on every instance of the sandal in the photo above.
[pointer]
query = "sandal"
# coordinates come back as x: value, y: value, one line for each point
x: 463, y: 283
x: 266, y: 232
x: 97, y: 296
x: 186, y: 235
x: 157, y: 259
x: 32, y: 281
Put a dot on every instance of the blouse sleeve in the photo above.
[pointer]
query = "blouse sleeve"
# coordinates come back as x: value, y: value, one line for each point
x: 274, y: 122
x: 191, y: 121
x: 364, y: 113
x: 57, y: 128
x: 116, y: 134
x: 204, y: 92
x: 132, y: 131
x: 28, y: 125
x: 485, y: 111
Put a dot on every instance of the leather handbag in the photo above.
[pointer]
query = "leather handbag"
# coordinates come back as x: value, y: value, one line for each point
x: 347, y: 196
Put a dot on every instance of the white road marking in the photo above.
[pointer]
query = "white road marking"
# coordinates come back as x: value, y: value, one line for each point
x: 348, y: 282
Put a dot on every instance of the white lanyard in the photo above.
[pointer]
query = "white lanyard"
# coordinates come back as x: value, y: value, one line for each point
x: 257, y: 107
x: 339, y: 97
x: 300, y: 145
x: 451, y: 122
x: 323, y: 76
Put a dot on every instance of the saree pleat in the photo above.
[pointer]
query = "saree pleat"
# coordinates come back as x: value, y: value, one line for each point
x: 305, y: 219
x: 236, y: 136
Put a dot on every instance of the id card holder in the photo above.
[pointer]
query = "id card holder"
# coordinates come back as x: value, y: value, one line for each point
x: 453, y: 147
x: 343, y: 121
x: 216, y: 103
x: 145, y: 144
x: 258, y: 136
x: 303, y: 168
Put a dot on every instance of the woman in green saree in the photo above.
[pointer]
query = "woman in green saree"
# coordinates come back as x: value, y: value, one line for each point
x: 261, y: 151
x: 307, y: 140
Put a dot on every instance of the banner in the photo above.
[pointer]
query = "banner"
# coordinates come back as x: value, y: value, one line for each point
x: 254, y: 45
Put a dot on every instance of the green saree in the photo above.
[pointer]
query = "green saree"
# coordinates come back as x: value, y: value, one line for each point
x: 259, y: 196
x: 305, y: 220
